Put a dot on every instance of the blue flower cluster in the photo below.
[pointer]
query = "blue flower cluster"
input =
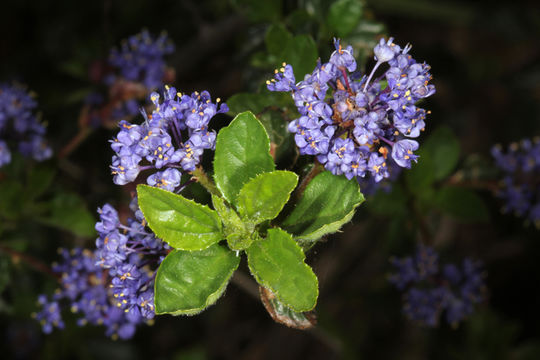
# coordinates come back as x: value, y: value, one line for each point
x: 429, y: 290
x: 172, y: 139
x: 520, y: 186
x: 19, y: 127
x: 112, y: 286
x: 362, y: 125
x: 141, y: 59
x: 136, y: 69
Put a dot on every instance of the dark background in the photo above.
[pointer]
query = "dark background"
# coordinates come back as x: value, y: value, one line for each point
x: 485, y: 63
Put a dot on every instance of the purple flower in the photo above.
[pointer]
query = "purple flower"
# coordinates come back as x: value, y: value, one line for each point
x: 402, y: 152
x: 19, y: 126
x: 283, y: 80
x: 5, y: 154
x: 173, y: 138
x: 112, y: 286
x: 141, y: 58
x: 385, y: 51
x: 343, y: 58
x: 370, y: 119
x: 168, y: 179
x: 520, y: 170
x: 430, y: 292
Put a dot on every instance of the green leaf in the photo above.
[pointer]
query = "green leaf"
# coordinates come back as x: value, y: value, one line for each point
x: 272, y: 107
x: 391, y: 203
x: 242, y: 152
x: 344, y: 16
x: 443, y: 147
x: 187, y: 282
x: 182, y: 223
x: 438, y: 157
x: 283, y: 314
x: 276, y: 36
x: 68, y: 211
x: 277, y: 263
x: 230, y: 219
x: 257, y: 102
x: 260, y: 10
x: 462, y: 204
x: 328, y: 203
x: 4, y: 273
x: 421, y: 175
x: 263, y: 197
x: 38, y: 181
x: 11, y: 195
x: 302, y: 54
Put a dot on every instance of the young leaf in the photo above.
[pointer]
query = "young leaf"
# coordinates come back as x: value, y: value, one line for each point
x: 230, y: 219
x: 277, y: 263
x: 263, y: 197
x: 242, y: 152
x: 182, y: 223
x: 187, y: 282
x: 237, y: 233
x: 328, y: 203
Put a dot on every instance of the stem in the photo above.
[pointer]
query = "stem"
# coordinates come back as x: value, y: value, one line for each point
x: 185, y: 185
x: 315, y: 170
x: 457, y: 180
x: 30, y: 260
x: 74, y: 142
x: 249, y: 286
x: 205, y: 181
x: 371, y: 75
x: 386, y: 140
x: 346, y: 79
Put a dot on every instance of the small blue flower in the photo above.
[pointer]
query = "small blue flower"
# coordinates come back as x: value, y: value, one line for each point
x: 402, y: 152
x: 385, y: 51
x: 343, y: 58
x: 168, y: 179
x: 283, y: 80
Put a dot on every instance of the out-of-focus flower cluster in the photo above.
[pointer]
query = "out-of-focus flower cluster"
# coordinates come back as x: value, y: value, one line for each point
x: 141, y: 59
x: 171, y: 140
x: 19, y: 126
x: 135, y: 69
x: 113, y: 285
x: 431, y: 290
x: 520, y: 185
x: 356, y: 126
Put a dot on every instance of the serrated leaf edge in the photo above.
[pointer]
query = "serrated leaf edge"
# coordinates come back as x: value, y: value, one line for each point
x: 215, y: 215
x: 218, y: 141
x: 259, y: 220
x: 210, y: 300
x: 265, y: 284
